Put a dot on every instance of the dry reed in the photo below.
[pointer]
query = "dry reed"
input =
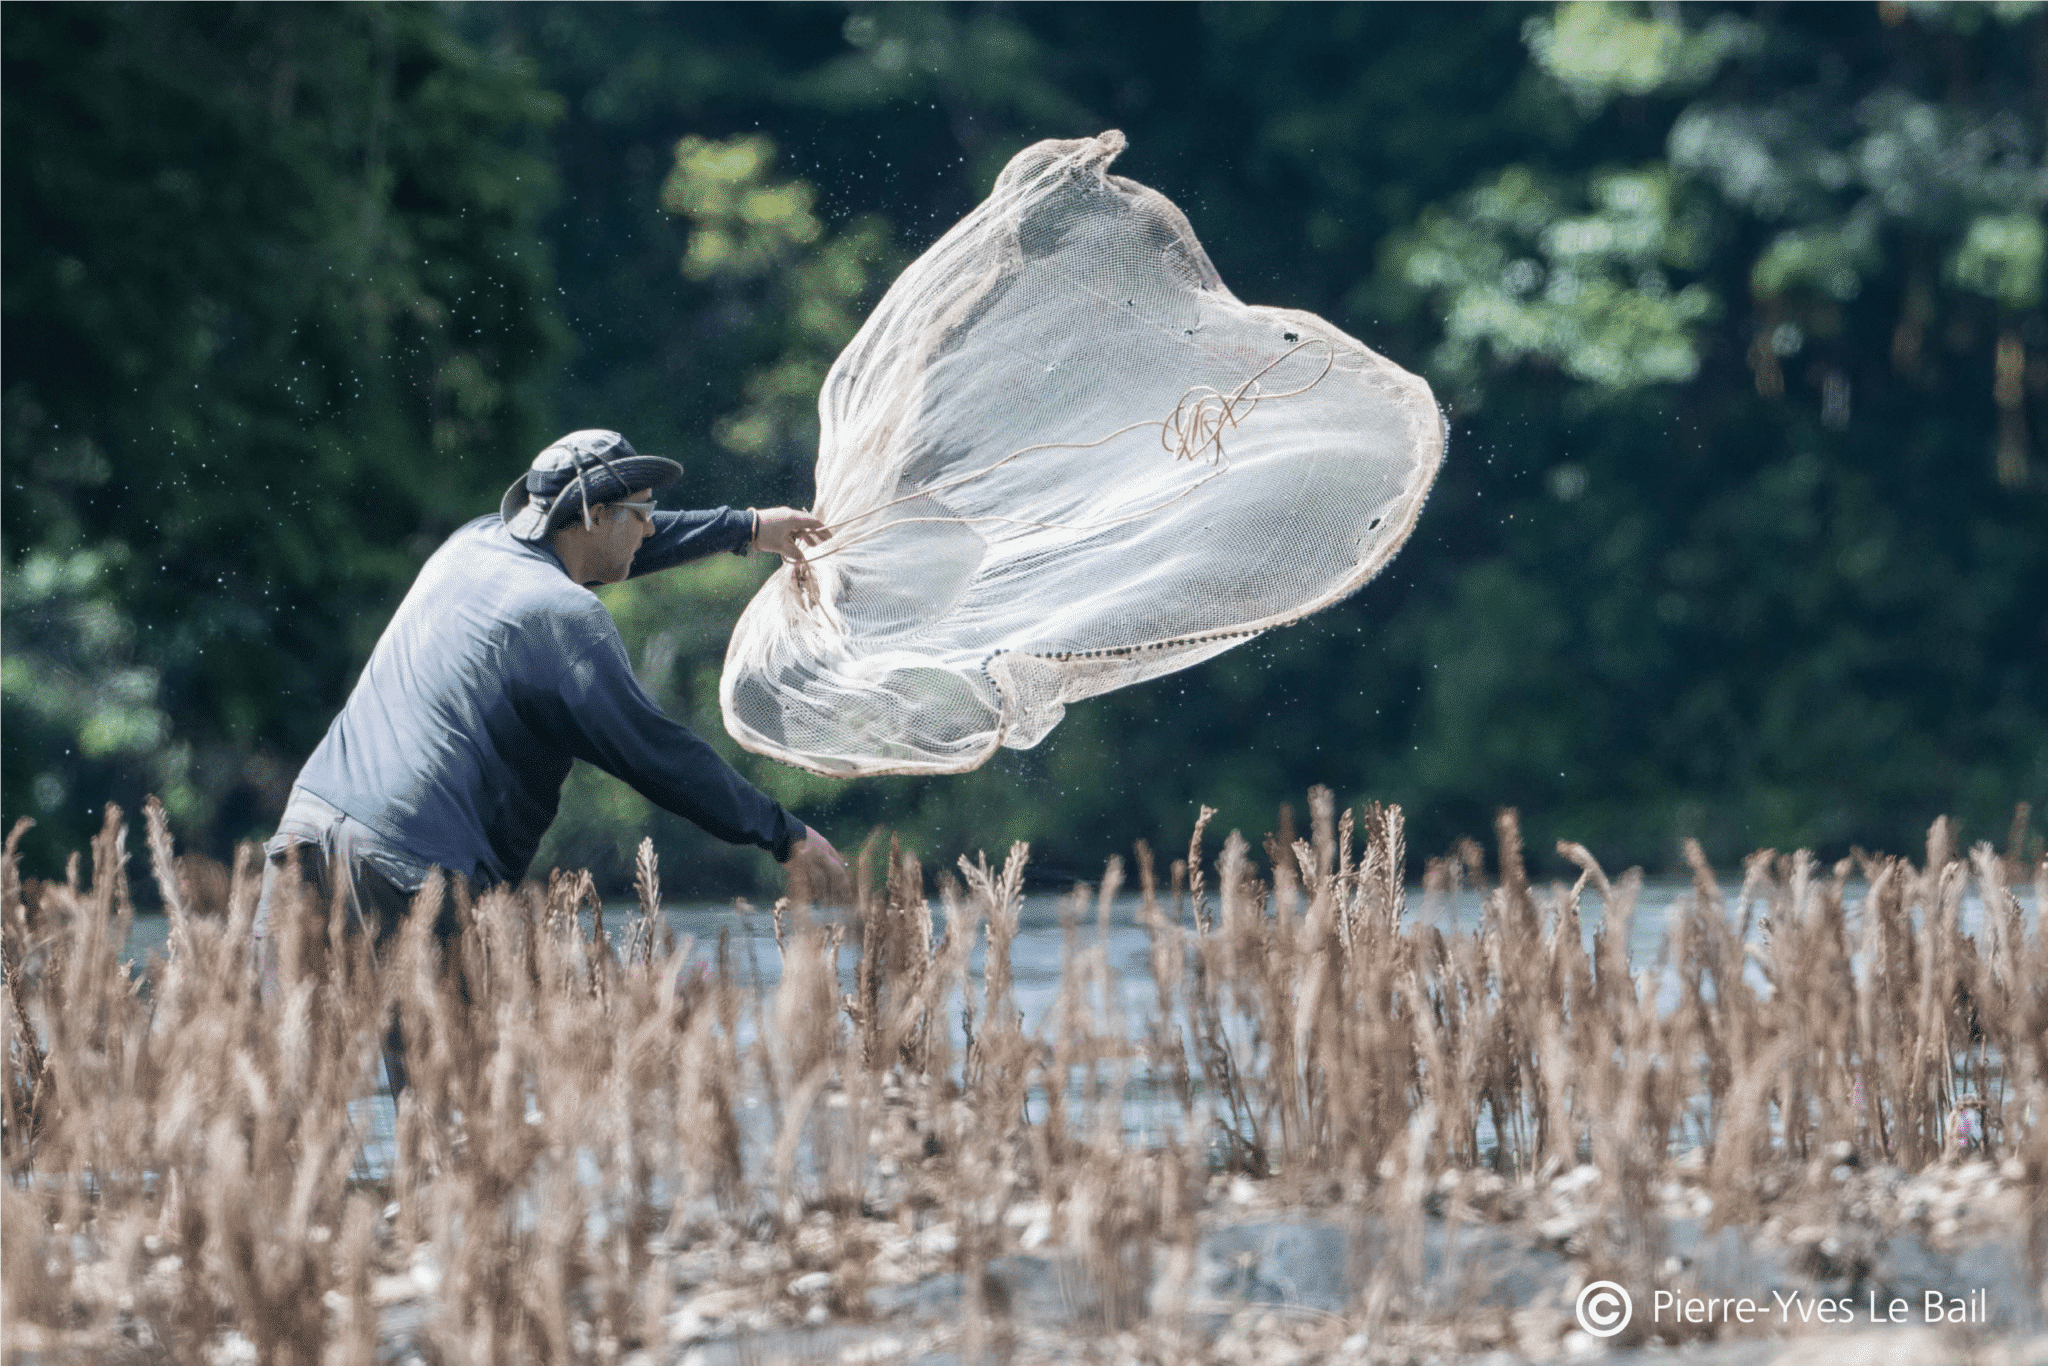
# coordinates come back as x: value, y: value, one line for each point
x: 183, y: 1153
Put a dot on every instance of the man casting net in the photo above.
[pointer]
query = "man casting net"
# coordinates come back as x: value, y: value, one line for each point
x: 1062, y: 458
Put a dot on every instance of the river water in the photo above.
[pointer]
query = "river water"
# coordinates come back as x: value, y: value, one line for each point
x: 1039, y: 949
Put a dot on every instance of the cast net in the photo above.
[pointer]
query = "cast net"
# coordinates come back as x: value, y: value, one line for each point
x: 1061, y: 458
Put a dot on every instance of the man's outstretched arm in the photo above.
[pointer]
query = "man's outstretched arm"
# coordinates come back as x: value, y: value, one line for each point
x: 606, y: 718
x: 680, y: 537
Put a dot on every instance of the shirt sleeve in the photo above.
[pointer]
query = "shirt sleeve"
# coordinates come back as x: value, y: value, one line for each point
x: 608, y: 719
x: 680, y: 537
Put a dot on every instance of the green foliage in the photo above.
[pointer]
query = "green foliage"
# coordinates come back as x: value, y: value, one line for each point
x: 2000, y: 258
x: 1752, y: 574
x: 1599, y: 50
x: 78, y: 699
x: 1521, y: 276
x: 744, y: 227
x: 275, y: 306
x: 758, y: 238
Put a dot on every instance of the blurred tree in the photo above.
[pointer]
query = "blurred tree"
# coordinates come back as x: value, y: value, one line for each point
x: 78, y: 699
x: 754, y: 235
x: 1789, y: 535
x: 275, y: 308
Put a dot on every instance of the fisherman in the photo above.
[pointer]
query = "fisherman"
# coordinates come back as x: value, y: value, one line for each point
x: 499, y: 670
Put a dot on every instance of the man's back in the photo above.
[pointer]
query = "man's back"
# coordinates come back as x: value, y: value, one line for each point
x: 443, y: 747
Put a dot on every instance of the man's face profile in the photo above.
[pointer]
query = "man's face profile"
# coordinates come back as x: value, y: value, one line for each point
x: 603, y: 552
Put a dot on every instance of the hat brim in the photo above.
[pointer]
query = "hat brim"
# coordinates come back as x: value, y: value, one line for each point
x: 529, y: 521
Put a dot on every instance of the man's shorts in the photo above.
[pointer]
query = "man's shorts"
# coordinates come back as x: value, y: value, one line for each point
x: 376, y: 882
x: 339, y: 855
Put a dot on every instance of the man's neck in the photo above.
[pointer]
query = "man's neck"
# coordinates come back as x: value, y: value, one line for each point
x: 569, y: 551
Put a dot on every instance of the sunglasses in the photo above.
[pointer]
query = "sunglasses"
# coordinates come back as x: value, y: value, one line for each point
x: 643, y: 510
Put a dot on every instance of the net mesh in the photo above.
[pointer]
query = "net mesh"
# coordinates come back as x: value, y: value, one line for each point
x: 1061, y: 458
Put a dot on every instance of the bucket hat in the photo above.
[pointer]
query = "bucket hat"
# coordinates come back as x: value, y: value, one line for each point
x: 575, y: 474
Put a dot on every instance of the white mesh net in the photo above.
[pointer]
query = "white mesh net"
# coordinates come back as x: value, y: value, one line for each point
x: 1061, y: 458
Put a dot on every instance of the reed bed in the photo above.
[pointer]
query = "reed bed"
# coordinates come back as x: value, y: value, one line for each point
x: 613, y: 1145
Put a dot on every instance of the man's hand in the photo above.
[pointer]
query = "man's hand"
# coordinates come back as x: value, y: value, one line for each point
x: 816, y: 869
x: 787, y: 531
x: 819, y: 849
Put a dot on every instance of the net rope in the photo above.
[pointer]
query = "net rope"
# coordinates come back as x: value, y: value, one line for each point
x: 1007, y: 538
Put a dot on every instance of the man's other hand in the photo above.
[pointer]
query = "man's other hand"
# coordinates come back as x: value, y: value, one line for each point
x: 816, y: 846
x: 817, y: 871
x: 788, y: 532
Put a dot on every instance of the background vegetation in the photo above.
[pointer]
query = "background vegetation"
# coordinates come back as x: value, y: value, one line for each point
x: 1737, y: 313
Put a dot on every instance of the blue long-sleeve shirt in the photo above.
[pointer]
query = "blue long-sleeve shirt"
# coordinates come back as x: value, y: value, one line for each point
x: 496, y: 673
